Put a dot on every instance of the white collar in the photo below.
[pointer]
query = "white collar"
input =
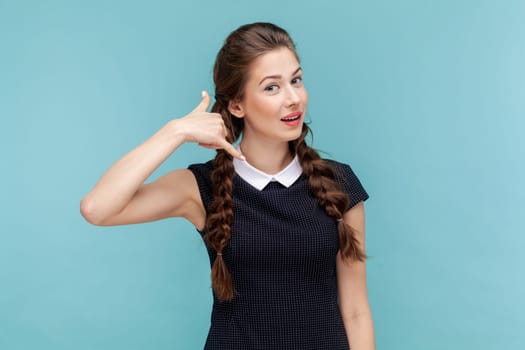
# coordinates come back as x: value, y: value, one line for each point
x: 260, y: 179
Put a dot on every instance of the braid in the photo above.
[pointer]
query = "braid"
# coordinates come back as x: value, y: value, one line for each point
x: 323, y: 186
x: 220, y: 218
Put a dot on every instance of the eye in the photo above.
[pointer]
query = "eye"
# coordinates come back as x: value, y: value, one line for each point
x: 297, y: 80
x: 271, y: 88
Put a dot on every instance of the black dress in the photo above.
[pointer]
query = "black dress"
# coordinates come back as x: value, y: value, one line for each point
x: 282, y: 257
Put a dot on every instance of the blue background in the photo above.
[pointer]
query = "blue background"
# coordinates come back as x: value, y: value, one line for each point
x: 425, y: 99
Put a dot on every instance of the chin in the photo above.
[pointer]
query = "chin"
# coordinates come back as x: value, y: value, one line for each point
x: 296, y: 134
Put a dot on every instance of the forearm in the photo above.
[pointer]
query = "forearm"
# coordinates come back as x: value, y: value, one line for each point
x: 117, y: 186
x: 360, y: 331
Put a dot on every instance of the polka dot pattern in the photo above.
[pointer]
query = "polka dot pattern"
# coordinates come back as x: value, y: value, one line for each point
x: 282, y: 257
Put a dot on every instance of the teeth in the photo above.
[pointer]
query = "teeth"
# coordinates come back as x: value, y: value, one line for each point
x: 291, y: 118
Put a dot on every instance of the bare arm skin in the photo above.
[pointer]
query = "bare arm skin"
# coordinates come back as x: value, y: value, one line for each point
x: 121, y: 196
x: 353, y: 295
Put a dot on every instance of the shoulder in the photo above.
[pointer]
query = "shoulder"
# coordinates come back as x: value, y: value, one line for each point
x: 202, y: 171
x: 349, y: 181
x: 201, y: 168
x: 335, y: 163
x: 341, y: 170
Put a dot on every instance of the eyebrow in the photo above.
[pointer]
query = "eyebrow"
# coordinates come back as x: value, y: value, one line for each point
x: 278, y: 76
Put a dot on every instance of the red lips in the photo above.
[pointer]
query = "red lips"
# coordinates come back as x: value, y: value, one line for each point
x: 291, y: 117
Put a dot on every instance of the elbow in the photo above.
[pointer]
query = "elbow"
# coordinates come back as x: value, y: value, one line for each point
x: 356, y: 315
x: 89, y: 212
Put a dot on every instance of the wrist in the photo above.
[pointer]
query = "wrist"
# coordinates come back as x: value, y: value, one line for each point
x: 176, y: 130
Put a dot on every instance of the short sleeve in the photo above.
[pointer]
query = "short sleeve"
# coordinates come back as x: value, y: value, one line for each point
x: 202, y: 173
x: 349, y: 183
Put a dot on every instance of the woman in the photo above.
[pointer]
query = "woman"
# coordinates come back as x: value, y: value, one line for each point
x: 284, y: 228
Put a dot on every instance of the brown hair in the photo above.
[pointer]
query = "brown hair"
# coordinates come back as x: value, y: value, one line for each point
x: 230, y: 73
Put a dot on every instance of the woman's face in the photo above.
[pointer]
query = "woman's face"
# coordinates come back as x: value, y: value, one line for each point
x: 275, y: 99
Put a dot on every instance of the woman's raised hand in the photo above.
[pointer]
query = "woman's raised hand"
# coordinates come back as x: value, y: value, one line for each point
x: 207, y: 129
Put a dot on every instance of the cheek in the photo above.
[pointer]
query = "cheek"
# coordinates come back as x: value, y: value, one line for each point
x: 265, y: 105
x: 305, y: 97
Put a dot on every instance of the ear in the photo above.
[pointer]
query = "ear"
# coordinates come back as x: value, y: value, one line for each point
x: 235, y: 108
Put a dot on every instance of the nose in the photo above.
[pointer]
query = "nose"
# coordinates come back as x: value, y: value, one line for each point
x: 292, y: 96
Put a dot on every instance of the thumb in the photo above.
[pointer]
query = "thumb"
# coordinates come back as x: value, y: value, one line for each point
x: 204, y: 104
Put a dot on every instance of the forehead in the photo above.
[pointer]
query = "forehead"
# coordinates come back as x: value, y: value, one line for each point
x: 281, y: 61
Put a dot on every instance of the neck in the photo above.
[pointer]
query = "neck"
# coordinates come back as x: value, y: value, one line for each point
x: 267, y: 157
